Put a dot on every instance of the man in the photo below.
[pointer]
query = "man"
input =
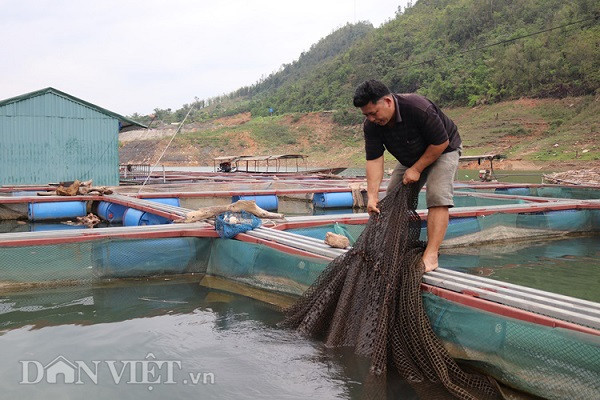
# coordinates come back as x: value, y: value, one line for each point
x: 424, y: 141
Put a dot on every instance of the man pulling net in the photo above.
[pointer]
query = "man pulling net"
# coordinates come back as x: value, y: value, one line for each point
x: 370, y: 298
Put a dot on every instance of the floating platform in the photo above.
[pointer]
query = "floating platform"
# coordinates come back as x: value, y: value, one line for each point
x: 486, y: 321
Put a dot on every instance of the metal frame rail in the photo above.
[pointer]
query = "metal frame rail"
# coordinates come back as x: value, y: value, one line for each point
x: 575, y: 311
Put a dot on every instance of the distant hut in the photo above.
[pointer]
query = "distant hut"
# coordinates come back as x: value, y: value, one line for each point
x: 51, y: 136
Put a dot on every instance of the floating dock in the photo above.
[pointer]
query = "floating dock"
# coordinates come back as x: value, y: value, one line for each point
x: 483, y: 320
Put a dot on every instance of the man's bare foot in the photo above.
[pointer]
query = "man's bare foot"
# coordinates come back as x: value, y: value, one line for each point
x: 431, y: 262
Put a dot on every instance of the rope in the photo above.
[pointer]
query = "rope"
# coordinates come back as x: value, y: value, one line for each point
x: 165, y: 150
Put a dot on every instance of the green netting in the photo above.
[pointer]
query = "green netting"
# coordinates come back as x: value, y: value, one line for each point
x: 567, y: 266
x: 507, y: 226
x: 558, y: 192
x: 318, y: 232
x: 554, y: 363
x: 568, y: 192
x: 129, y: 258
x: 465, y: 199
x: 549, y: 362
x: 490, y: 228
x: 263, y: 266
x: 82, y: 262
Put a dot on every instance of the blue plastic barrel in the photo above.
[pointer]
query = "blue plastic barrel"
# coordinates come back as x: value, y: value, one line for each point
x: 266, y: 202
x: 56, y: 210
x: 153, y: 219
x: 333, y: 200
x: 133, y: 217
x: 111, y: 212
x: 130, y: 258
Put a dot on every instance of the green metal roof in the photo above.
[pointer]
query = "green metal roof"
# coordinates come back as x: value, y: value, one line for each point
x: 126, y: 123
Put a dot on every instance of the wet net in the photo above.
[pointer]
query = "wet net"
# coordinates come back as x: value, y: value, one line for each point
x: 370, y: 299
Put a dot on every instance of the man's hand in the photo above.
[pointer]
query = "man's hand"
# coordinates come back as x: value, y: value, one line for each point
x: 374, y: 177
x: 372, y: 207
x: 411, y: 175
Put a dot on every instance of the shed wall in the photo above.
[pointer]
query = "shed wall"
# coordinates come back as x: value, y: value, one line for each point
x: 50, y: 138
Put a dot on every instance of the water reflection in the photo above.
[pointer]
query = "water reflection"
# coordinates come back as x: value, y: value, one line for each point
x: 206, y: 329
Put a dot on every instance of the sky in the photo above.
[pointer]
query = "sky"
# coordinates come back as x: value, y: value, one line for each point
x: 134, y: 56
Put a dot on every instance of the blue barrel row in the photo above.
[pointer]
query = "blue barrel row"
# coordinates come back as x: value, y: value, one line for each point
x: 115, y: 213
x: 320, y: 200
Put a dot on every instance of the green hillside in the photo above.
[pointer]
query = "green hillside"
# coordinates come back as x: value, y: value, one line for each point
x: 553, y: 134
x: 456, y: 52
x: 474, y: 58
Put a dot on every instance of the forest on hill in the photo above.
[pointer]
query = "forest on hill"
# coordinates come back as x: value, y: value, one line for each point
x: 456, y: 52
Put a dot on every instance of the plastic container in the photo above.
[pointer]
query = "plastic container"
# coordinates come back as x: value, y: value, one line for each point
x: 153, y: 219
x: 56, y: 210
x: 133, y: 217
x: 333, y: 200
x: 266, y: 202
x: 111, y: 212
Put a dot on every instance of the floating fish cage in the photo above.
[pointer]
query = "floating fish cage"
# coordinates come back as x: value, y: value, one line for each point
x: 536, y: 342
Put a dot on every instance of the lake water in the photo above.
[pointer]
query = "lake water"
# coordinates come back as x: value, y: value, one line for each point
x: 181, y: 331
x: 567, y: 266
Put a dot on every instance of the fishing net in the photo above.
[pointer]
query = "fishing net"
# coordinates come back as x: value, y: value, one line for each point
x: 229, y: 223
x: 370, y: 299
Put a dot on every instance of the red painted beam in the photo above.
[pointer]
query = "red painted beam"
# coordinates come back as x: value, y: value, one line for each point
x: 91, y: 236
x: 470, y: 300
x: 47, y: 199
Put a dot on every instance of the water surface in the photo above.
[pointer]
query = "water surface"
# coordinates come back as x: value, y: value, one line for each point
x: 228, y: 343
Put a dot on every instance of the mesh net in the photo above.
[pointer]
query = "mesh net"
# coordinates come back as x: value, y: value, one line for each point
x: 229, y: 224
x: 370, y: 299
x: 79, y: 263
x: 551, y: 362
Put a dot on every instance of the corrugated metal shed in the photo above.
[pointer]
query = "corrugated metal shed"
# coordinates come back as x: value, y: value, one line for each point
x: 51, y: 136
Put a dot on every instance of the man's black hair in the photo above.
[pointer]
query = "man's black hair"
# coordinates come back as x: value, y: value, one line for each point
x: 369, y: 91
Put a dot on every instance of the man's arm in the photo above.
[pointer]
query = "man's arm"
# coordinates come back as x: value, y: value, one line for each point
x: 432, y: 153
x: 374, y: 178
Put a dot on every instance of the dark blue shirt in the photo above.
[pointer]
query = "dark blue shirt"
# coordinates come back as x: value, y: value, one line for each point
x: 418, y: 123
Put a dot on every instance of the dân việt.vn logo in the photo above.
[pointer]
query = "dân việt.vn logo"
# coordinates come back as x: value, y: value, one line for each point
x: 149, y: 371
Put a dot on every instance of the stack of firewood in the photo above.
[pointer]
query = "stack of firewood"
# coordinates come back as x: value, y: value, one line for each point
x: 77, y: 188
x: 575, y: 177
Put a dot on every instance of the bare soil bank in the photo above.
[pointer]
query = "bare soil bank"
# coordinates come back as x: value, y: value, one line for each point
x: 534, y: 134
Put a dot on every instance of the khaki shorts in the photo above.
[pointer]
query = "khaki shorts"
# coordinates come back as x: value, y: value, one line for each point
x: 439, y: 177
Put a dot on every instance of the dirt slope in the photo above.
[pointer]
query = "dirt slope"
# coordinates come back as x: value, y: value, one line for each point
x: 533, y: 133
